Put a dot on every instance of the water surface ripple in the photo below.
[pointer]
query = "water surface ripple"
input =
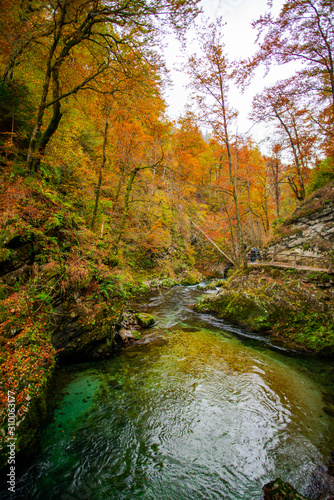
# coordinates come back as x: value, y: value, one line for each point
x: 206, y: 411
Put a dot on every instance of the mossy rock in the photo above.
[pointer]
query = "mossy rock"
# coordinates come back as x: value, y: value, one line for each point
x: 230, y: 273
x: 190, y: 279
x: 239, y: 307
x: 144, y: 320
x: 220, y: 283
x: 167, y: 283
x: 297, y: 312
x: 211, y: 286
x: 248, y: 310
x: 279, y: 490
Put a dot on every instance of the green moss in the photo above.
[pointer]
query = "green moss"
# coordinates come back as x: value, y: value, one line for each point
x: 286, y: 306
x: 190, y: 279
x: 144, y: 320
x: 4, y: 292
x: 245, y: 308
x: 167, y: 282
x: 136, y: 335
x: 230, y: 273
x: 275, y: 273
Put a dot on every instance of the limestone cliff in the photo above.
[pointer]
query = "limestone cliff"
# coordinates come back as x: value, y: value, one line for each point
x: 306, y: 238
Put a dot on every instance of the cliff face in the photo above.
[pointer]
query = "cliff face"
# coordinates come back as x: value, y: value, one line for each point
x: 307, y: 237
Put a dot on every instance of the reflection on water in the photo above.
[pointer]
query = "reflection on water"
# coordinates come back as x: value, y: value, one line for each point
x: 198, y: 414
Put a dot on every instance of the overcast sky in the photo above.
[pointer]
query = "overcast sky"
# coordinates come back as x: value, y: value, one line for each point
x: 239, y: 39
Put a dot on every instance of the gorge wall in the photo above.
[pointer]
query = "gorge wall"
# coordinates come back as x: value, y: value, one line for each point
x: 306, y: 238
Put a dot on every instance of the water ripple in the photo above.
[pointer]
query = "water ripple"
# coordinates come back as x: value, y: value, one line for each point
x: 201, y: 416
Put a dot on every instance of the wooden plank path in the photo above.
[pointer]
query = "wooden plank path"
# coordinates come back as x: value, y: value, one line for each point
x: 288, y: 266
x: 263, y: 262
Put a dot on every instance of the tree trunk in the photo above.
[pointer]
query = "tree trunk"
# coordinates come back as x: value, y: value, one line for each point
x: 54, y: 122
x: 98, y: 187
x: 126, y: 205
x: 231, y: 228
x: 275, y: 172
x: 299, y: 190
x: 212, y: 242
x: 250, y: 207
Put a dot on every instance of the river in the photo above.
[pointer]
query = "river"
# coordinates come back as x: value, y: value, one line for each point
x: 205, y: 411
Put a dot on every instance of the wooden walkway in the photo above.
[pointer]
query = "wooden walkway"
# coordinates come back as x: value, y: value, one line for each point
x: 288, y: 266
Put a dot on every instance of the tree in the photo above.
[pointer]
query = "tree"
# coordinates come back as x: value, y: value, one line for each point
x: 104, y: 159
x: 21, y: 27
x: 276, y: 173
x: 294, y: 129
x: 99, y: 30
x: 188, y: 148
x: 210, y: 76
x: 303, y: 32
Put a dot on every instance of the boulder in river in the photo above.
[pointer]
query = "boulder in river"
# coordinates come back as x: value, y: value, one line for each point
x: 279, y: 490
x: 144, y: 320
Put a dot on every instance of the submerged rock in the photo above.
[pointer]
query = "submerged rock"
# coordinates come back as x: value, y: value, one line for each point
x: 127, y: 335
x: 279, y: 490
x: 321, y: 486
x: 328, y: 397
x: 329, y: 410
x: 189, y: 329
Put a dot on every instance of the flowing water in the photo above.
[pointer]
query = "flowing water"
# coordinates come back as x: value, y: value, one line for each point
x: 204, y: 411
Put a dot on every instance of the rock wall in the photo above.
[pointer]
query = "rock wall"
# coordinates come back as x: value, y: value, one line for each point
x: 307, y: 237
x: 308, y: 242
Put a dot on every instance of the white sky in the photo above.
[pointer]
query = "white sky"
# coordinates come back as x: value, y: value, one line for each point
x: 239, y: 39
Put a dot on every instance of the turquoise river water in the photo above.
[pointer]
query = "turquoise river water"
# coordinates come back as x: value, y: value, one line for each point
x: 199, y: 410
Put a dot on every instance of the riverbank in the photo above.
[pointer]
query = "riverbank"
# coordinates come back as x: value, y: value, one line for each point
x: 197, y: 408
x: 295, y: 306
x: 62, y: 294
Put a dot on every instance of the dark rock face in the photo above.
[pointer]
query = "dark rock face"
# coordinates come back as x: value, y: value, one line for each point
x: 86, y: 331
x: 81, y: 329
x: 18, y: 263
